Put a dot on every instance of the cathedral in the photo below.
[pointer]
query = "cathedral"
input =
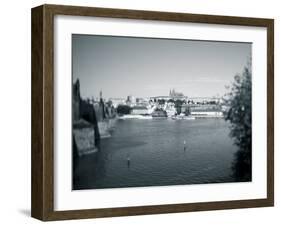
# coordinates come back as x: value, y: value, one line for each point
x: 174, y: 94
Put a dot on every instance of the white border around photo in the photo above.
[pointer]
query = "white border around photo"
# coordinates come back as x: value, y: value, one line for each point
x: 67, y: 199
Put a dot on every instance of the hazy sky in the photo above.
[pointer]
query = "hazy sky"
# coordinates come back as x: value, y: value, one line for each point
x: 144, y: 67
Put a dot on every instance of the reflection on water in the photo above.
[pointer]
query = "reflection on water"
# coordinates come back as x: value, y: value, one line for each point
x: 159, y: 152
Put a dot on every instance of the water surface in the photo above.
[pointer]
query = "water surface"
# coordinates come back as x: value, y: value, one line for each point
x: 160, y: 152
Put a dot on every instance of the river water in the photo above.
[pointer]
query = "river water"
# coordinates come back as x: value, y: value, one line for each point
x: 160, y: 152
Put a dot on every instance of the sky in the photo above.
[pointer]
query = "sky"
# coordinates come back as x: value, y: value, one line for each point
x: 146, y: 67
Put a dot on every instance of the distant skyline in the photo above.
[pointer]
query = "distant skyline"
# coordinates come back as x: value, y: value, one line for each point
x: 144, y: 67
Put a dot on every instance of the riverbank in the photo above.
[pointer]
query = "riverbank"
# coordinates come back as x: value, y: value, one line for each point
x: 83, y: 138
x: 105, y: 127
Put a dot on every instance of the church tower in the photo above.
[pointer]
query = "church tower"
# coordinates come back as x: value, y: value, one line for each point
x: 102, y: 106
x: 100, y: 94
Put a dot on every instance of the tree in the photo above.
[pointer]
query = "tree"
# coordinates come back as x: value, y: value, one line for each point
x: 109, y: 103
x: 161, y: 101
x: 123, y: 109
x: 239, y: 115
x: 187, y: 111
x: 178, y: 104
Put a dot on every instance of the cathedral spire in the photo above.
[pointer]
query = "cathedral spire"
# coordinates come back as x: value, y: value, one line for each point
x: 100, y: 94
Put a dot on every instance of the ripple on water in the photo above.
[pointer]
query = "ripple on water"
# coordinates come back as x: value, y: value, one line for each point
x: 161, y: 152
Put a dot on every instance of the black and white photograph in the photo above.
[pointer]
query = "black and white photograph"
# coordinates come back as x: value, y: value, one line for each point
x: 160, y: 112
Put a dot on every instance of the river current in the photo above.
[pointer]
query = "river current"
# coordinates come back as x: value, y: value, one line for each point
x: 159, y: 152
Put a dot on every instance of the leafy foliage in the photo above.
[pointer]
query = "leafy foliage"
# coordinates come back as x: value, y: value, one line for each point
x: 239, y: 114
x: 178, y: 105
x: 123, y: 110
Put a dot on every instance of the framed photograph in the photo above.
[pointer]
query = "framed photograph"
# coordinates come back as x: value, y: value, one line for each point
x: 142, y: 112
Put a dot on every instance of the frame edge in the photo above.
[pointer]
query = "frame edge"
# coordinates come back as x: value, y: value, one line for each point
x: 37, y: 187
x: 270, y: 111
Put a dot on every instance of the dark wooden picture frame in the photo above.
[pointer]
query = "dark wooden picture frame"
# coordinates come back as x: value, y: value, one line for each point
x: 42, y: 203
